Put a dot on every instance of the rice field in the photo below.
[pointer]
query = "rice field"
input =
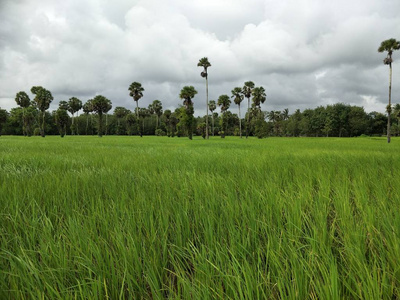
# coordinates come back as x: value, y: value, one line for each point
x: 157, y: 217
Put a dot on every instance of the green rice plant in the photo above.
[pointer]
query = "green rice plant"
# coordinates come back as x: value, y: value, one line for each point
x: 124, y: 217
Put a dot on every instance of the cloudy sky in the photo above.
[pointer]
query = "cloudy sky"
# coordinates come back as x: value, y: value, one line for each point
x: 305, y: 53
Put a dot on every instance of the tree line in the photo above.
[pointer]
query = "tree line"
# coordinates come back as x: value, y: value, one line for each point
x: 337, y: 120
x: 342, y: 120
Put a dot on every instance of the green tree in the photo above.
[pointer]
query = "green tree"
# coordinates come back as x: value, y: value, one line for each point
x: 203, y: 62
x: 247, y: 91
x: 3, y: 118
x: 136, y: 92
x: 22, y: 99
x: 259, y: 96
x: 131, y: 123
x: 43, y: 98
x: 101, y: 105
x: 143, y: 113
x: 74, y: 105
x: 167, y: 120
x: 157, y: 108
x: 238, y: 98
x: 62, y: 119
x: 275, y: 117
x: 389, y: 46
x: 187, y: 94
x: 212, y: 106
x: 120, y: 113
x: 63, y: 105
x: 224, y: 102
x: 87, y: 109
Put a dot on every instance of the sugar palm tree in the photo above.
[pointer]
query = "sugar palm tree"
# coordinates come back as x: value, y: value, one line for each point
x: 187, y: 94
x: 120, y: 113
x: 224, y: 102
x: 136, y: 92
x: 87, y: 109
x: 3, y: 118
x: 203, y: 62
x: 238, y: 98
x: 42, y: 99
x: 246, y: 91
x: 74, y: 105
x: 389, y: 45
x: 157, y: 108
x: 212, y: 106
x: 101, y: 105
x: 259, y: 96
x: 23, y: 100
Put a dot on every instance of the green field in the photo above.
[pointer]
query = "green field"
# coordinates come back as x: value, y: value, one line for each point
x: 158, y: 217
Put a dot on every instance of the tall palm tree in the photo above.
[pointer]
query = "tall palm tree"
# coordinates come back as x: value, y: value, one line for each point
x: 101, y: 105
x: 247, y: 91
x: 238, y: 98
x: 157, y: 108
x: 187, y: 94
x: 136, y: 92
x: 42, y: 99
x: 3, y: 118
x: 120, y: 113
x: 87, y: 109
x: 389, y: 45
x: 224, y: 102
x: 23, y: 100
x: 74, y: 105
x: 212, y: 106
x: 259, y: 96
x: 203, y: 62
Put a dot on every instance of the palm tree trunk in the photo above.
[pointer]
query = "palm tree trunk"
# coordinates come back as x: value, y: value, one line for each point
x: 248, y: 117
x: 72, y: 127
x: 156, y: 121
x: 207, y: 107
x: 106, y: 123
x: 87, y: 124
x: 100, y: 133
x: 390, y: 102
x: 42, y: 131
x: 212, y: 117
x: 240, y: 123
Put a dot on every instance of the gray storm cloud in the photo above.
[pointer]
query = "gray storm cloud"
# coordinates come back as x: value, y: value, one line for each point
x: 304, y: 53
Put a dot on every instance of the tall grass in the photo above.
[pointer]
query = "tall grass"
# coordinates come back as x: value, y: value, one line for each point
x: 124, y: 218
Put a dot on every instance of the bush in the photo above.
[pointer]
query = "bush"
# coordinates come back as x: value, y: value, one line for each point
x: 160, y: 132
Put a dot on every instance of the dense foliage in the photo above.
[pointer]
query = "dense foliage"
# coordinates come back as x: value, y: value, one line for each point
x: 338, y: 120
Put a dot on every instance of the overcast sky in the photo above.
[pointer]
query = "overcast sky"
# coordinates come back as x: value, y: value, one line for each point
x: 305, y: 53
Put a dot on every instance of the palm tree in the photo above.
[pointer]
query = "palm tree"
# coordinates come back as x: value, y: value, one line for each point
x: 23, y: 100
x: 3, y: 118
x: 247, y: 91
x: 238, y: 98
x: 203, y: 62
x: 187, y: 93
x: 136, y: 92
x: 157, y: 108
x: 61, y: 118
x: 101, y: 105
x: 42, y: 99
x: 74, y: 105
x: 224, y: 102
x: 275, y: 116
x: 120, y: 113
x: 389, y: 46
x: 212, y: 106
x: 143, y: 113
x: 259, y: 96
x: 87, y: 109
